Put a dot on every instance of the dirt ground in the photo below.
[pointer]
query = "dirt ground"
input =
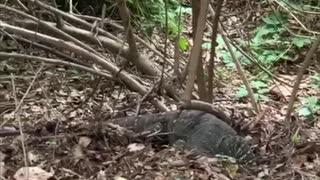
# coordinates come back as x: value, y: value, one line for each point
x: 69, y: 148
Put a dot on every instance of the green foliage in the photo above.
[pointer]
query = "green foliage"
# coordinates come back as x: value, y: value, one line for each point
x: 268, y: 45
x: 223, y: 53
x: 272, y: 43
x: 310, y: 105
x: 260, y: 89
x: 296, y: 138
x: 148, y: 14
x: 152, y: 13
x: 316, y: 80
x: 206, y: 45
x: 301, y: 42
x: 183, y: 44
x: 242, y: 92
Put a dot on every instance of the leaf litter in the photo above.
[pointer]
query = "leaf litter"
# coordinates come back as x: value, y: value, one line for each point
x: 75, y: 150
x: 60, y: 147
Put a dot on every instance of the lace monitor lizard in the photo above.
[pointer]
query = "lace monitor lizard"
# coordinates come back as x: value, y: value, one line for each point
x: 195, y: 130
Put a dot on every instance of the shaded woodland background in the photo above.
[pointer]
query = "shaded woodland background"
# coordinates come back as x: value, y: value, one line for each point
x: 65, y: 65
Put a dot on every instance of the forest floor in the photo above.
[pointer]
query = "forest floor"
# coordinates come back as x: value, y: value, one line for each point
x: 59, y: 143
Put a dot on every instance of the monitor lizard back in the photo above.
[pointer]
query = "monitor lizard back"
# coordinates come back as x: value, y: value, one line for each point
x: 195, y: 130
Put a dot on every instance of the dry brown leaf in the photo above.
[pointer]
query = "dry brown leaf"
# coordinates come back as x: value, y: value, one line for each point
x: 84, y: 141
x: 77, y: 152
x: 34, y: 173
x: 33, y: 157
x: 101, y: 175
x: 2, y: 169
x: 299, y: 160
x: 119, y: 178
x: 135, y: 147
x: 264, y: 173
x: 281, y: 91
x: 75, y: 93
x: 2, y: 156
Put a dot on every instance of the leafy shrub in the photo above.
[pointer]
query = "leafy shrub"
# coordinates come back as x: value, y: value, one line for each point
x: 272, y: 43
x: 310, y: 105
x: 260, y: 89
x: 149, y: 14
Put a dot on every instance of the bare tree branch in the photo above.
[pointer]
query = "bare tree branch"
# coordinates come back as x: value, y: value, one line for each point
x: 215, y: 27
x: 194, y: 56
x: 124, y: 76
x: 55, y: 61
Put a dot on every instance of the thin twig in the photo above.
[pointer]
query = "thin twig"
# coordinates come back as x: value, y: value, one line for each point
x: 18, y: 111
x: 242, y: 75
x: 305, y: 64
x: 215, y: 27
x: 56, y: 61
x: 124, y: 76
x: 52, y: 28
x: 145, y: 97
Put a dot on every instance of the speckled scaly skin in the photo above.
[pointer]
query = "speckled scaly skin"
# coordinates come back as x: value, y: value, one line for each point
x: 195, y: 130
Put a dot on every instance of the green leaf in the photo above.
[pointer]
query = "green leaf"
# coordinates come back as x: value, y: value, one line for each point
x: 316, y: 77
x: 296, y: 138
x: 311, y: 102
x: 305, y: 111
x: 258, y: 84
x: 244, y: 60
x: 301, y: 42
x: 259, y: 35
x: 183, y: 44
x: 242, y: 92
x: 270, y: 20
x: 263, y: 91
x: 220, y: 42
x: 316, y: 80
x: 206, y: 45
x: 185, y: 10
x: 271, y: 58
x: 275, y: 19
x: 173, y: 28
x: 227, y: 59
